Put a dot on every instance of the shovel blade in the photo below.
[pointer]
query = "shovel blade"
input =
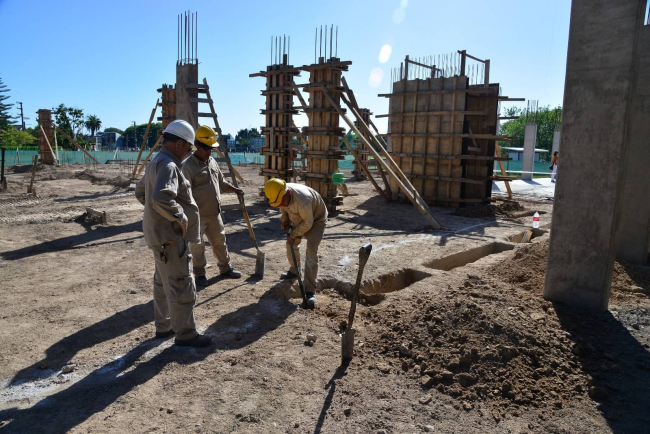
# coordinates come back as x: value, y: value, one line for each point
x: 260, y: 263
x: 347, y: 345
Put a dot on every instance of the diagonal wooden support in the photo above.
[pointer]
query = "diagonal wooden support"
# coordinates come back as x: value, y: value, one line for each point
x: 365, y: 169
x: 146, y: 135
x: 74, y: 143
x: 353, y: 100
x: 153, y: 149
x: 402, y: 181
x: 497, y: 149
x: 222, y: 141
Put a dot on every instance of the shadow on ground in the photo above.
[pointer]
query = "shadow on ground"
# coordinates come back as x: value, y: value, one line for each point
x: 618, y: 363
x: 93, y: 234
x: 66, y: 409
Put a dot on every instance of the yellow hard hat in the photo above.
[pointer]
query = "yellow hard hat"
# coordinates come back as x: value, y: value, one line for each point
x: 207, y: 136
x: 274, y: 190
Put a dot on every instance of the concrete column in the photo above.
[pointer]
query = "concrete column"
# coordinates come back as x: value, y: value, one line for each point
x: 528, y: 159
x: 556, y: 142
x: 633, y: 235
x: 187, y: 74
x: 599, y: 85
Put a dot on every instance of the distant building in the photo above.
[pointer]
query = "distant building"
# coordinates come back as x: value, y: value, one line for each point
x: 106, y: 140
x: 256, y: 143
x: 517, y: 154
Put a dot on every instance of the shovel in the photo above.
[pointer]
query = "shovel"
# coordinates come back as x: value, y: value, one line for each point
x: 261, y: 256
x: 347, y: 341
x: 302, y: 288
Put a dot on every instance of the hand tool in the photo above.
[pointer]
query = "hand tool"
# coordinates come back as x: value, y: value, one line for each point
x: 261, y: 256
x: 297, y: 266
x: 347, y: 340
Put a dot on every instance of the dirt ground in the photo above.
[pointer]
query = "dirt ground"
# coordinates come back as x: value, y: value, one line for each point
x: 452, y: 332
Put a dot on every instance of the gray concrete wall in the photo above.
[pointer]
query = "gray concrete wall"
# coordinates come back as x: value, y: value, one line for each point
x: 528, y: 159
x: 556, y: 142
x: 633, y: 236
x: 598, y: 88
x: 189, y: 74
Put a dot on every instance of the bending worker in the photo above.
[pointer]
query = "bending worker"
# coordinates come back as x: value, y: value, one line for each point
x: 171, y: 220
x: 304, y: 212
x: 207, y: 183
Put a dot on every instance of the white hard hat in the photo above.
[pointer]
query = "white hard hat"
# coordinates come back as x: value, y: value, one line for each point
x: 181, y: 129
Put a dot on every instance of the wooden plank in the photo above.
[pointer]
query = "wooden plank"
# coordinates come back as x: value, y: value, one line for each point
x: 74, y: 142
x: 451, y: 135
x: 366, y: 171
x: 153, y: 149
x: 443, y: 91
x: 503, y: 170
x: 146, y: 135
x: 405, y: 185
x: 221, y: 140
x: 205, y: 100
x: 30, y: 189
x: 56, y: 158
x: 434, y: 113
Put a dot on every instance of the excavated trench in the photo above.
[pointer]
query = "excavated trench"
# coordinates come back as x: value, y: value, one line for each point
x: 525, y: 237
x: 468, y: 256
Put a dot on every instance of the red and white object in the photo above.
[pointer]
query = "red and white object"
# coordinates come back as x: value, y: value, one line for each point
x: 536, y: 220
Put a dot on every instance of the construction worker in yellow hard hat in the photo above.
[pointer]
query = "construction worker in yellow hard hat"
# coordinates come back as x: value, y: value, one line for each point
x: 303, y: 211
x: 207, y: 184
x: 171, y: 221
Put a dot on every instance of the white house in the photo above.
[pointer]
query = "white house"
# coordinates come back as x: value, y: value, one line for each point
x: 517, y: 154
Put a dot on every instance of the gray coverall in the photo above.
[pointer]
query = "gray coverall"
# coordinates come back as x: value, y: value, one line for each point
x: 168, y: 203
x: 207, y: 183
x: 308, y: 215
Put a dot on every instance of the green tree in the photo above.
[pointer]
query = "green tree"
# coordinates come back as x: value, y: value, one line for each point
x: 93, y: 124
x: 114, y: 130
x: 253, y: 132
x: 12, y: 138
x: 70, y: 120
x: 5, y: 117
x: 547, y: 120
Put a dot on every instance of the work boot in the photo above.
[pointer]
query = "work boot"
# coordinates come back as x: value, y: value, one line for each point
x: 201, y: 281
x: 197, y: 342
x: 231, y: 274
x: 288, y: 275
x: 163, y: 335
x: 311, y: 300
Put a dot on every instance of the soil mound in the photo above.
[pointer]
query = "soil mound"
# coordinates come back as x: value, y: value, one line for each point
x: 527, y: 270
x: 476, y: 345
x: 118, y: 181
x: 508, y: 209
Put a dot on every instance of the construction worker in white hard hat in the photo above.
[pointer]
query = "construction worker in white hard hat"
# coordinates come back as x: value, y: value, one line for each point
x: 303, y: 211
x: 207, y: 183
x: 171, y: 221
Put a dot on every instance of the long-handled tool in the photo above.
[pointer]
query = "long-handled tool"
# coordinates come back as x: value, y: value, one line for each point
x: 297, y: 266
x: 347, y: 340
x: 261, y: 256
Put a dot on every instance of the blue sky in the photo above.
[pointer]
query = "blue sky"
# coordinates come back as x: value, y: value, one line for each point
x: 109, y: 57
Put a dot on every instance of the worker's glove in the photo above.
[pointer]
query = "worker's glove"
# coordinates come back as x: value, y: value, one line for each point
x: 286, y: 226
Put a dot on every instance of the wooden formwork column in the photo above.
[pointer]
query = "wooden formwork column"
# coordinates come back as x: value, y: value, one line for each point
x: 279, y: 127
x: 361, y: 149
x: 44, y: 150
x: 324, y: 151
x: 168, y: 98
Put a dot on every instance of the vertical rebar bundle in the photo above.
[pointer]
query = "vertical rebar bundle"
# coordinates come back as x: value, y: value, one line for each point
x: 187, y: 38
x: 321, y: 43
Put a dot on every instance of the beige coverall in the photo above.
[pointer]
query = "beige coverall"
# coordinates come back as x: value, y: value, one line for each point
x: 308, y: 215
x: 207, y: 183
x: 168, y: 203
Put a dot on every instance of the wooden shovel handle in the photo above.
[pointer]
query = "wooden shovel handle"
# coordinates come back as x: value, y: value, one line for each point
x: 364, y: 254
